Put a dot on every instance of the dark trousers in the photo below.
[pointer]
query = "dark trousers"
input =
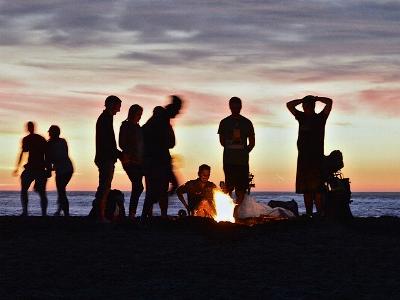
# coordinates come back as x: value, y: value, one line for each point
x: 106, y: 174
x: 157, y: 183
x: 236, y: 177
x: 135, y: 175
x: 27, y: 177
x: 62, y: 181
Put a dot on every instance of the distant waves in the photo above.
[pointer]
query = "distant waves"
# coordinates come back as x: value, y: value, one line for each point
x: 364, y: 204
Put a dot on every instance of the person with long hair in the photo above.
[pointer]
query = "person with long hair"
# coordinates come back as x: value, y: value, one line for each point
x: 310, y: 145
x: 57, y: 152
x: 131, y: 143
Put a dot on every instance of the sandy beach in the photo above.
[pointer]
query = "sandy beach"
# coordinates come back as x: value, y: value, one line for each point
x: 193, y: 258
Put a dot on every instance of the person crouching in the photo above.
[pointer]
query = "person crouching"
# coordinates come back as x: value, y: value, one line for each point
x: 199, y: 194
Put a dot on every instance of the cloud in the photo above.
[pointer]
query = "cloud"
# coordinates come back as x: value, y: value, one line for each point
x: 385, y: 102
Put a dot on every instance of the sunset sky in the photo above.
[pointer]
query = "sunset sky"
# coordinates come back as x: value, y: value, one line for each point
x: 61, y: 59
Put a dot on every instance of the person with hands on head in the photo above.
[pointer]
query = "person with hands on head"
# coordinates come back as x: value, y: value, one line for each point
x: 310, y: 145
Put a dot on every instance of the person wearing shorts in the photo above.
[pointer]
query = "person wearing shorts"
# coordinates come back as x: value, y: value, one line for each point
x: 236, y: 135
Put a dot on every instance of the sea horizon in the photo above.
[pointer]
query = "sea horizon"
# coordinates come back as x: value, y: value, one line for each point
x: 364, y: 204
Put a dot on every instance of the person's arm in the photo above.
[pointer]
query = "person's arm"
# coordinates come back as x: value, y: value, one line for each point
x: 122, y: 138
x: 179, y: 192
x: 328, y: 104
x: 252, y: 143
x: 291, y: 105
x: 221, y: 134
x: 222, y: 140
x: 15, y: 172
x: 252, y: 138
x: 47, y: 159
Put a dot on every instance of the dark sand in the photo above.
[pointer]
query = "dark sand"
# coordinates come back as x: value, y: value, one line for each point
x: 193, y: 258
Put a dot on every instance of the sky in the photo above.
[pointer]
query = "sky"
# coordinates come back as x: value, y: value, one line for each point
x: 61, y: 59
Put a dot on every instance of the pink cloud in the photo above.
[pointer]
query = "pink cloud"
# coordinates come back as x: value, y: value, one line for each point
x: 11, y: 84
x: 386, y: 102
x: 199, y: 108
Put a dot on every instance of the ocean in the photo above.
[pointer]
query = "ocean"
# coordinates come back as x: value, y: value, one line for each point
x: 365, y: 204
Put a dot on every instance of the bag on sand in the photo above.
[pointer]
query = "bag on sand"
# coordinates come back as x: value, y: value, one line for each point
x: 338, y: 199
x: 289, y: 205
x: 250, y: 208
x: 115, y: 209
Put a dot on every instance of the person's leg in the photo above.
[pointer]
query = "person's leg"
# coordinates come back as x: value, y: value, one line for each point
x: 26, y: 180
x: 135, y: 176
x: 163, y: 184
x: 147, y: 209
x: 308, y: 203
x: 62, y: 181
x: 40, y: 183
x: 106, y: 174
x: 319, y: 204
x: 229, y: 184
x: 58, y: 186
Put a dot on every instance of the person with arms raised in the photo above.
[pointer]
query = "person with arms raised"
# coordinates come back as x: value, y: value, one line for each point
x: 310, y: 145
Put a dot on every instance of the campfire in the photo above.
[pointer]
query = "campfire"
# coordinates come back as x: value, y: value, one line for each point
x: 224, y: 206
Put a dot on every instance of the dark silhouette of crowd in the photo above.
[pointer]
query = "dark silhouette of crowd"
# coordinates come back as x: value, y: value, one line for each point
x: 146, y: 154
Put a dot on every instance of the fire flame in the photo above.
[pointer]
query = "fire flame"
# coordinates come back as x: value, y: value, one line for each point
x: 224, y: 207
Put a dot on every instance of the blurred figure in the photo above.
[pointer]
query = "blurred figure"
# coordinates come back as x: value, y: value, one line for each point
x: 106, y: 152
x: 57, y: 151
x: 199, y: 194
x: 236, y: 135
x: 310, y: 145
x: 131, y: 143
x: 159, y: 137
x: 37, y: 168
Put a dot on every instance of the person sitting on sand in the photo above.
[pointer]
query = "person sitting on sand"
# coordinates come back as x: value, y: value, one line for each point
x: 199, y: 193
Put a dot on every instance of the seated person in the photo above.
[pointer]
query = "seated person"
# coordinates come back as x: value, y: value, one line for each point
x: 199, y: 193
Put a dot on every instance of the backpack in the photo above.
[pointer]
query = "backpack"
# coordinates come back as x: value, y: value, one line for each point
x: 338, y: 198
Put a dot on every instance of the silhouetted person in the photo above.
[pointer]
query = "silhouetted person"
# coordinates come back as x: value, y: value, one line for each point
x: 57, y: 151
x: 106, y: 152
x: 131, y: 143
x: 159, y: 137
x: 37, y: 168
x: 236, y: 135
x: 199, y: 194
x: 310, y: 145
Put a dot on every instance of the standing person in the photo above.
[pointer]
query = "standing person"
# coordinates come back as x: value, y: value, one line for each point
x: 37, y: 168
x: 131, y: 143
x: 159, y: 137
x: 236, y: 135
x: 106, y: 152
x: 57, y: 150
x: 310, y: 145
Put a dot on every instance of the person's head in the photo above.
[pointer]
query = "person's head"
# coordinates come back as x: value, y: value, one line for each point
x: 174, y: 107
x: 30, y: 127
x: 309, y: 104
x: 235, y: 105
x: 204, y: 173
x: 54, y: 132
x: 135, y: 113
x: 158, y: 110
x: 113, y: 104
